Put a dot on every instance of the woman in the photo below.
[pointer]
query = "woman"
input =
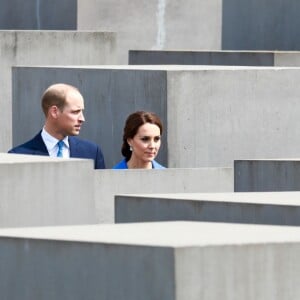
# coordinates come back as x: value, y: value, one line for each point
x: 141, y: 141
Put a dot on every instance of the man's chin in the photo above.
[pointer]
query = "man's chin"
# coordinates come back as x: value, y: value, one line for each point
x: 75, y: 133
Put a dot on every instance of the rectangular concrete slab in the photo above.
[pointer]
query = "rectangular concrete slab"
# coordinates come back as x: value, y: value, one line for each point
x: 251, y: 208
x: 217, y: 57
x: 212, y: 115
x: 41, y: 191
x: 108, y: 183
x: 168, y: 260
x: 36, y: 14
x: 267, y: 175
x: 160, y: 24
x: 32, y: 47
x: 260, y: 25
x: 195, y: 25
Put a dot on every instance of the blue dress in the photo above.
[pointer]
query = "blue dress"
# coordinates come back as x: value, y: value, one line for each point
x: 123, y: 165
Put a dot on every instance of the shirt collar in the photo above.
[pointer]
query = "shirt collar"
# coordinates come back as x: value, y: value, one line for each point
x: 51, y: 141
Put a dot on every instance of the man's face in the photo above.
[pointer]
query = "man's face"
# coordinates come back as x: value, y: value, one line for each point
x: 70, y: 119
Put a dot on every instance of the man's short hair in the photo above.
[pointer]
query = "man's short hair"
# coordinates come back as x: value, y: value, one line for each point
x: 56, y: 94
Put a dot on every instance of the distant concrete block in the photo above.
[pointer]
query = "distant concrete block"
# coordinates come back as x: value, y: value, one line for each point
x: 225, y: 58
x: 221, y: 58
x: 46, y: 47
x: 111, y: 182
x: 37, y: 14
x: 260, y: 25
x: 40, y: 191
x: 142, y: 24
x: 151, y: 261
x: 267, y: 175
x: 249, y: 208
x: 195, y: 25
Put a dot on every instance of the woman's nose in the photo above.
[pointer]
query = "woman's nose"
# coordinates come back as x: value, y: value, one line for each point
x: 151, y: 144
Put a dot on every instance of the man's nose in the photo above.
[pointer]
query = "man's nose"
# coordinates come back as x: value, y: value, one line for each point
x: 81, y: 117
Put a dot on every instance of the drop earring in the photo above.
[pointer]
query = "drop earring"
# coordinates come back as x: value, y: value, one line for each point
x: 130, y: 148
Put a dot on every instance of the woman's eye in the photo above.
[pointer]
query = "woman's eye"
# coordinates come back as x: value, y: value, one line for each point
x: 157, y: 139
x: 145, y: 139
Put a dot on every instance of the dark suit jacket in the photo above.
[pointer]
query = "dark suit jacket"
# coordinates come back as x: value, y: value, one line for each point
x: 78, y: 149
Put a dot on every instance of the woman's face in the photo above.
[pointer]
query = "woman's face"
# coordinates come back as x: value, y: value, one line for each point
x: 146, y: 143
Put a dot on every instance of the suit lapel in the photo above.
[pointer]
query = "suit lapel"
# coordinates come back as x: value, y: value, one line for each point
x: 39, y: 145
x: 73, y: 148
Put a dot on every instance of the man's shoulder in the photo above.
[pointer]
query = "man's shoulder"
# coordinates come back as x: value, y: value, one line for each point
x: 83, y: 142
x: 28, y: 146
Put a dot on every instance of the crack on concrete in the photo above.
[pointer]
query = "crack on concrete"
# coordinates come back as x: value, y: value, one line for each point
x: 38, y: 19
x: 161, y: 30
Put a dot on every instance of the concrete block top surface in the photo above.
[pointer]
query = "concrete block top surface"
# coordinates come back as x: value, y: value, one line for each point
x: 215, y: 51
x: 269, y: 160
x: 157, y: 67
x: 273, y: 198
x: 12, y: 158
x: 161, y: 234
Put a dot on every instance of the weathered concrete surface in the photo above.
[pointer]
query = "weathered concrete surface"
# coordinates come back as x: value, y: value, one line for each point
x: 249, y: 208
x: 216, y: 116
x: 37, y: 14
x: 41, y: 191
x: 46, y: 47
x: 108, y: 183
x: 168, y: 260
x: 160, y: 24
x: 195, y: 25
x: 267, y: 175
x: 220, y: 57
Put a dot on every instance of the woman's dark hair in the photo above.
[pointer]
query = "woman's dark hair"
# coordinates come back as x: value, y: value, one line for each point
x: 132, y: 125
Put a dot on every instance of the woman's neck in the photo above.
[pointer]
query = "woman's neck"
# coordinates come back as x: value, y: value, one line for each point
x: 136, y: 164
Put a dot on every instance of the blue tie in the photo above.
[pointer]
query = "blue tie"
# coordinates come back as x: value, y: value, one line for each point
x: 60, y: 145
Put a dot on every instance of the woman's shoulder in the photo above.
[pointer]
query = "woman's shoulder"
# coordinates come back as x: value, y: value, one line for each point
x: 121, y: 165
x: 156, y: 165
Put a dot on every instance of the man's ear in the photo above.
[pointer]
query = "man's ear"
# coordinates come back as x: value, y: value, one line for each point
x: 54, y: 111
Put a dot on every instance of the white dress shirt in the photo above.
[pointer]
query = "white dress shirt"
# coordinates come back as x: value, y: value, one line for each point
x: 52, y: 147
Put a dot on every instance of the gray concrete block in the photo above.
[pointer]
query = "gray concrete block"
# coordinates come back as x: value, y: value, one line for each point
x: 155, y: 24
x: 168, y: 260
x: 46, y: 47
x: 260, y: 25
x: 195, y: 25
x: 36, y: 14
x: 225, y: 58
x: 249, y: 208
x: 112, y: 182
x: 220, y: 57
x: 41, y: 191
x: 220, y: 114
x: 267, y: 175
x: 212, y: 115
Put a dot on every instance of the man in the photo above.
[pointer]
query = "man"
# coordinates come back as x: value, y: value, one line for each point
x: 63, y: 107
